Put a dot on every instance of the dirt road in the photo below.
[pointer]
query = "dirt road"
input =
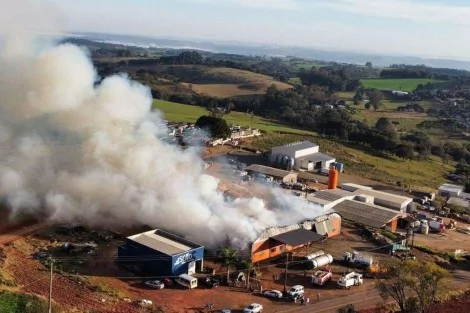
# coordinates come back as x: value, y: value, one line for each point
x: 20, y: 232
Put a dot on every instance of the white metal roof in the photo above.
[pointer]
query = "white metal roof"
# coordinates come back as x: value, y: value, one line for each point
x: 458, y: 201
x: 157, y: 242
x: 324, y: 197
x: 385, y: 196
x: 356, y: 186
x: 451, y: 188
x: 296, y: 146
x: 317, y: 157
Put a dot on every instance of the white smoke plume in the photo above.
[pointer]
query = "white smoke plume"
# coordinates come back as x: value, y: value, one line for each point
x: 77, y: 152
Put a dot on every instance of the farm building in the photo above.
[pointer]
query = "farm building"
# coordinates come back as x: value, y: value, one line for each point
x: 304, y: 155
x: 275, y: 241
x: 449, y: 190
x: 368, y: 214
x: 327, y: 199
x: 275, y: 173
x: 384, y: 199
x: 160, y: 253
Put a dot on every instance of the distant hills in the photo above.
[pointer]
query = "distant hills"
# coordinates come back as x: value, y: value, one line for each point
x: 271, y: 50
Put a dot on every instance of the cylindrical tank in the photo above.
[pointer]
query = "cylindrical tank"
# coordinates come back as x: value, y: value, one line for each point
x: 339, y: 167
x: 333, y: 178
x: 424, y: 229
x: 322, y: 260
x: 272, y: 159
x: 314, y: 255
x: 291, y: 163
x: 285, y: 161
x: 278, y: 159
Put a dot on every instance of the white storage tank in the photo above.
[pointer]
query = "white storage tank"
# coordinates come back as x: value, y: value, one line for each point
x: 314, y: 255
x: 424, y: 229
x: 322, y: 260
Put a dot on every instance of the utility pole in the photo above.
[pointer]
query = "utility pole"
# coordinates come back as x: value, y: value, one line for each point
x: 50, y: 288
x: 285, y: 273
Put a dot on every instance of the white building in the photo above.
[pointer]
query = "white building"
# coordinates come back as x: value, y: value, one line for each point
x: 449, y: 190
x: 399, y: 93
x: 330, y: 198
x: 306, y: 155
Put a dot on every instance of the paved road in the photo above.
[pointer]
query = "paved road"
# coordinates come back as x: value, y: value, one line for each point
x: 362, y: 300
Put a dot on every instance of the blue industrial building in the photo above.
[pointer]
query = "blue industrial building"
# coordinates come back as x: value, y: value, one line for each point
x: 160, y: 253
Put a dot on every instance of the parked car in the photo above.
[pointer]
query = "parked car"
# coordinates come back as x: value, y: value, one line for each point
x: 211, y: 282
x: 253, y: 308
x: 154, y: 284
x: 168, y: 281
x: 273, y: 294
x: 296, y: 290
x: 226, y: 311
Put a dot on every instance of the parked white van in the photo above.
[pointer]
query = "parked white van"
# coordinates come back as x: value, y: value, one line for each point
x: 186, y: 281
x: 296, y: 290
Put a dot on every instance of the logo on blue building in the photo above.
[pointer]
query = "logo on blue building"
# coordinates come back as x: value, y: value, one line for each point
x: 185, y: 258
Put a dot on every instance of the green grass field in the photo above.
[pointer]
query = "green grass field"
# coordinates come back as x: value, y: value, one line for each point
x: 396, y: 84
x: 177, y: 112
x: 423, y: 175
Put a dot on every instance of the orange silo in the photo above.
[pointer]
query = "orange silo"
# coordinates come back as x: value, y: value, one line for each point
x: 333, y: 178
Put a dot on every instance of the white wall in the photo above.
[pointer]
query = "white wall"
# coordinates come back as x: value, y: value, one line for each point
x: 326, y: 164
x: 304, y: 152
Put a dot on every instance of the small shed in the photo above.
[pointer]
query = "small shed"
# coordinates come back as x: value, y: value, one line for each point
x: 277, y: 174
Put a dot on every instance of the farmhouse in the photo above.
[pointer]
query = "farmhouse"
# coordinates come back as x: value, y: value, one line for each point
x: 304, y: 155
x: 160, y: 253
x: 275, y: 173
x: 275, y: 241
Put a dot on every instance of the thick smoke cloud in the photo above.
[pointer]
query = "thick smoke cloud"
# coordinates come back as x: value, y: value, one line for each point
x: 79, y: 152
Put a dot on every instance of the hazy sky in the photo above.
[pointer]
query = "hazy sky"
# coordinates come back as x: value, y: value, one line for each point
x: 429, y: 28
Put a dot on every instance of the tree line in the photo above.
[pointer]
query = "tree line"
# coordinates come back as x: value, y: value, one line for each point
x: 399, y: 71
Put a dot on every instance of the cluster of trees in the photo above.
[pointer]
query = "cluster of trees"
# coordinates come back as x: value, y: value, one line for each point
x: 421, y: 71
x: 383, y: 138
x: 371, y: 96
x: 405, y: 73
x: 451, y: 126
x: 335, y: 79
x: 410, y: 107
x: 414, y: 285
x: 216, y: 126
x: 183, y: 58
x: 296, y: 106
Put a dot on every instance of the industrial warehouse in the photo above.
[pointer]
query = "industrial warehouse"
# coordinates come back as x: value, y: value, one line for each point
x: 160, y: 253
x: 301, y: 156
x: 363, y: 205
x: 275, y: 241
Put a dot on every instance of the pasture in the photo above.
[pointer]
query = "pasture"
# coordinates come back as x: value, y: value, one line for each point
x: 396, y: 84
x: 177, y: 112
x: 234, y: 90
